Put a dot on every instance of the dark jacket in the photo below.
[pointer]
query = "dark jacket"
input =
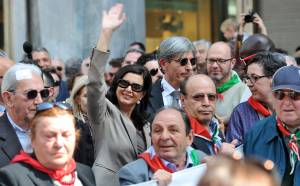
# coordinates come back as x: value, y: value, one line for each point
x: 155, y: 99
x: 19, y: 174
x: 9, y: 142
x: 264, y: 141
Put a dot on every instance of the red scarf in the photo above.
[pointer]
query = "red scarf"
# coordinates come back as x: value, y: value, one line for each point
x: 258, y: 107
x: 201, y: 131
x: 154, y: 163
x: 54, y: 174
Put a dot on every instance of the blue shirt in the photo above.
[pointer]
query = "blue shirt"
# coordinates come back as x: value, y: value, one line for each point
x: 23, y: 135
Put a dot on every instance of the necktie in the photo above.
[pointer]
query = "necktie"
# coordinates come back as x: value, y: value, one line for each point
x: 175, y: 95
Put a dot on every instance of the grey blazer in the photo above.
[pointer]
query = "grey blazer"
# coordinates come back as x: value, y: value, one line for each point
x: 114, y: 133
x: 138, y: 171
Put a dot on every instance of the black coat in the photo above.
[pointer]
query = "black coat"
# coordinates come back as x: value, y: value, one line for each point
x: 155, y: 100
x: 21, y: 174
x: 9, y: 142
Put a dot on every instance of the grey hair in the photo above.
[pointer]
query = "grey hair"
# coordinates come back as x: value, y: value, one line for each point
x: 9, y: 81
x: 202, y: 42
x: 175, y: 46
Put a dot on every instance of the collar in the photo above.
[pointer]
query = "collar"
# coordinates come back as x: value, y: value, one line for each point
x: 167, y: 89
x: 271, y: 128
x: 172, y: 166
x: 16, y: 126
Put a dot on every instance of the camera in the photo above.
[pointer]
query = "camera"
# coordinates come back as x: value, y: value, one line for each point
x: 249, y: 17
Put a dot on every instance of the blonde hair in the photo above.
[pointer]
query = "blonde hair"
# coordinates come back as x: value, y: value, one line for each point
x: 230, y: 22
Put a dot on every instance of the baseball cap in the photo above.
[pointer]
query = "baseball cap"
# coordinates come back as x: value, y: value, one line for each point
x: 287, y: 77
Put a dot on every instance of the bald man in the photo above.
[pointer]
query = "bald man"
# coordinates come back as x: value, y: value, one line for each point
x: 199, y: 101
x: 230, y: 88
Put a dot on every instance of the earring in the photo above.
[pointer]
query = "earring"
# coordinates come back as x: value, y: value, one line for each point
x: 138, y: 102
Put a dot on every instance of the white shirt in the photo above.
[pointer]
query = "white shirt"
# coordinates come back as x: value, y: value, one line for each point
x: 167, y: 89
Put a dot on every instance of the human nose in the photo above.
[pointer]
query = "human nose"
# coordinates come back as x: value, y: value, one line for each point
x: 38, y: 99
x: 164, y: 135
x: 205, y: 100
x: 59, y: 142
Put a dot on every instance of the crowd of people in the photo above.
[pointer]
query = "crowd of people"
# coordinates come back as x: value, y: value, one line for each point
x: 144, y: 116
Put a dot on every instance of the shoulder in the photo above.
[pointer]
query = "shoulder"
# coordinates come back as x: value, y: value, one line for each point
x: 139, y: 164
x: 85, y: 171
x: 134, y: 172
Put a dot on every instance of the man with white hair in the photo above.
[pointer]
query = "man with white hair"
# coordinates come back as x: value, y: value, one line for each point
x: 22, y: 89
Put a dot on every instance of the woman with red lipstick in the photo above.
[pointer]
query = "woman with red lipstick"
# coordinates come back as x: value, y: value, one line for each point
x: 118, y: 115
x: 260, y: 68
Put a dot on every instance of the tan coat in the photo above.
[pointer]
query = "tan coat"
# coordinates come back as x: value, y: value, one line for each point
x: 114, y: 133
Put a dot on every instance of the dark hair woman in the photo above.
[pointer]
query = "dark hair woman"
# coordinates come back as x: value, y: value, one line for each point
x: 117, y: 118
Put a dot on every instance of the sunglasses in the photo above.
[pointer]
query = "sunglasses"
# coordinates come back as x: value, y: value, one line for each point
x: 134, y: 86
x: 201, y: 97
x: 153, y: 71
x: 184, y: 61
x: 59, y: 68
x: 48, y: 105
x: 278, y: 94
x: 32, y: 94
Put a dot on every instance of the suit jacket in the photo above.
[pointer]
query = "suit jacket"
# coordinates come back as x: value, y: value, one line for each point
x: 114, y: 133
x: 138, y: 171
x: 9, y: 141
x: 19, y: 174
x: 155, y: 99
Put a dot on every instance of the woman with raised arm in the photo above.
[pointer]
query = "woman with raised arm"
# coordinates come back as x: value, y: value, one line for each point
x: 118, y: 117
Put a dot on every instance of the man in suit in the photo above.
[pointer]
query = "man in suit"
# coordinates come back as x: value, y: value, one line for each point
x: 22, y: 89
x: 176, y: 57
x: 171, y: 151
x: 199, y: 101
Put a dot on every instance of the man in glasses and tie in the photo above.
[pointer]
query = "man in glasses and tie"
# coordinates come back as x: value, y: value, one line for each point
x: 199, y: 102
x: 277, y: 137
x: 177, y: 59
x: 22, y: 90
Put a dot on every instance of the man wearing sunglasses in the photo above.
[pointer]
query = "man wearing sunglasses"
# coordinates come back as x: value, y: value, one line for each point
x: 277, y: 137
x: 230, y: 88
x: 177, y: 59
x: 22, y: 90
x: 199, y: 102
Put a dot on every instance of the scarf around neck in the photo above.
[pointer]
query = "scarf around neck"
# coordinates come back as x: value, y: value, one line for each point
x: 230, y: 83
x: 155, y: 163
x: 294, y: 138
x: 258, y: 107
x: 199, y: 130
x: 57, y: 175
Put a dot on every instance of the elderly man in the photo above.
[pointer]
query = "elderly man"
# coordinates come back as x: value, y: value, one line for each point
x: 176, y: 56
x: 199, y: 101
x: 277, y: 137
x: 171, y: 138
x: 22, y: 89
x: 42, y: 57
x: 230, y: 88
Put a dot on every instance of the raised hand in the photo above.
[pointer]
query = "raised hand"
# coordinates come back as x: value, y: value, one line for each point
x: 113, y: 18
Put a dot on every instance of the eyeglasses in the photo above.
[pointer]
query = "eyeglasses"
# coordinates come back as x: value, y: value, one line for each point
x: 32, y: 94
x: 184, y: 61
x: 278, y: 94
x: 219, y: 61
x: 252, y: 78
x: 48, y: 105
x: 153, y: 71
x: 201, y: 97
x: 134, y: 86
x: 57, y: 83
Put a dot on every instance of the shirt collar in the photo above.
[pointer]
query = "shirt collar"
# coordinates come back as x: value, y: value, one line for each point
x: 15, y: 126
x: 167, y: 89
x: 172, y: 166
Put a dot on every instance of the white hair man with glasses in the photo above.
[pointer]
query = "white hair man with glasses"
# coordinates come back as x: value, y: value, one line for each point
x: 199, y: 102
x: 277, y: 137
x: 22, y: 90
x: 177, y: 59
x: 231, y: 90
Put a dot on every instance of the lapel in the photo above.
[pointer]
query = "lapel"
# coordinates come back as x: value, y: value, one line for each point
x: 130, y: 131
x: 39, y: 178
x: 146, y: 130
x: 83, y: 178
x: 10, y: 142
x: 156, y: 99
